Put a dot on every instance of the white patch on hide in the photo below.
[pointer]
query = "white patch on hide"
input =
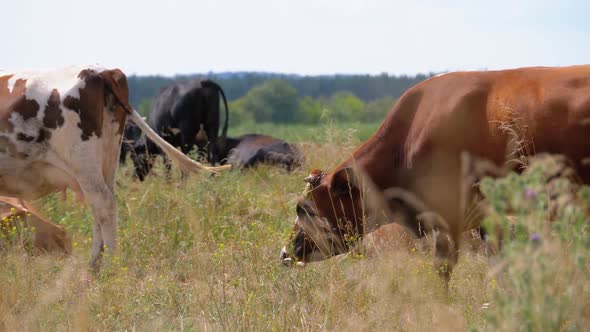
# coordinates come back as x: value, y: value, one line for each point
x: 40, y: 83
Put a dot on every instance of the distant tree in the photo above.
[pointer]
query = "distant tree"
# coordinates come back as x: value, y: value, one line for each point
x: 236, y: 85
x: 272, y: 101
x: 271, y: 97
x: 376, y: 110
x: 310, y: 110
x: 238, y: 114
x: 346, y: 107
x: 146, y: 87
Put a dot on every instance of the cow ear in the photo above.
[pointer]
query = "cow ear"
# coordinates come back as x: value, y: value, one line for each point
x: 343, y: 181
x: 116, y: 83
x: 113, y: 77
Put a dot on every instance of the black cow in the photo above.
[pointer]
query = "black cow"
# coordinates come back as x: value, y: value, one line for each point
x: 134, y: 144
x: 131, y: 135
x: 251, y: 149
x: 240, y: 152
x: 143, y: 159
x: 186, y: 114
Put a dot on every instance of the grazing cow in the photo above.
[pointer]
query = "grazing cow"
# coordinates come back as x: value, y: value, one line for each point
x: 46, y: 236
x: 186, y: 115
x: 422, y: 163
x: 241, y: 152
x: 251, y: 149
x: 63, y: 129
x: 131, y: 136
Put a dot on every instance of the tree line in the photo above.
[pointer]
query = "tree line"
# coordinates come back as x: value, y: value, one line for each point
x: 282, y: 98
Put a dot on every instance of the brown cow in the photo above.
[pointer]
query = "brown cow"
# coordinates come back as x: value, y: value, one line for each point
x: 46, y: 236
x: 418, y: 164
x: 62, y: 129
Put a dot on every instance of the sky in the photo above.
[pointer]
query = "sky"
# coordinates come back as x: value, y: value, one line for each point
x: 307, y: 37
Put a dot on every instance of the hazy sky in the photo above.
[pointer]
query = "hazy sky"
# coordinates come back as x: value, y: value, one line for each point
x: 295, y: 36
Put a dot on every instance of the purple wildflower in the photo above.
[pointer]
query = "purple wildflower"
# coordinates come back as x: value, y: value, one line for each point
x: 530, y: 193
x: 536, y: 237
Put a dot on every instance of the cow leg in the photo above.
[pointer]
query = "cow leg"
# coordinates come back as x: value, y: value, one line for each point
x: 446, y: 232
x: 187, y: 145
x: 422, y: 220
x: 445, y: 244
x: 473, y: 170
x: 434, y: 180
x: 187, y: 138
x: 212, y: 125
x: 213, y: 150
x: 168, y: 167
x: 102, y: 201
x: 97, y: 247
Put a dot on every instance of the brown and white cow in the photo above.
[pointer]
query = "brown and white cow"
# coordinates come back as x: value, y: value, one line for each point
x: 420, y: 162
x: 62, y: 129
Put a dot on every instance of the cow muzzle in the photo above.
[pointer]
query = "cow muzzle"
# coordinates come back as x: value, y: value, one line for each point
x: 288, y: 260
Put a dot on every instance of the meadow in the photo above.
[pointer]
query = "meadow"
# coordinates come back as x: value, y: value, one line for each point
x: 204, y: 255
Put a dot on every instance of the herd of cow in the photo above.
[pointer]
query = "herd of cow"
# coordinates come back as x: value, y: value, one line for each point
x: 63, y: 130
x: 186, y: 115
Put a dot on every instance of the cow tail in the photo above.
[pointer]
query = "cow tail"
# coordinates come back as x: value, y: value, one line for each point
x: 224, y: 131
x: 225, y: 125
x: 185, y: 163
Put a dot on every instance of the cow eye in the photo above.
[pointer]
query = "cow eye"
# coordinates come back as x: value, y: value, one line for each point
x: 300, y: 210
x: 305, y: 209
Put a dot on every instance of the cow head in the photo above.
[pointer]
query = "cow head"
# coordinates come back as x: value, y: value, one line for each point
x: 329, y: 217
x: 143, y: 158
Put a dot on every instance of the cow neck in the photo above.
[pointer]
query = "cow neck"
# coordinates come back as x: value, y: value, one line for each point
x: 384, y: 153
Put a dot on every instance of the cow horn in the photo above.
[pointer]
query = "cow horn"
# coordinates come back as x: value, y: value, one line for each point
x: 314, y: 177
x: 311, y: 178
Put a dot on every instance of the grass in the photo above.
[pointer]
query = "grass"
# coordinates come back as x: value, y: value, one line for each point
x: 319, y: 133
x: 204, y: 255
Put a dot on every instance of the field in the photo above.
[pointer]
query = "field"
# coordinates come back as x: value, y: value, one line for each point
x: 204, y: 255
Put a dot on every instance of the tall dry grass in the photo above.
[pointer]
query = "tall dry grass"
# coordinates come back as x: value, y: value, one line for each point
x: 204, y: 255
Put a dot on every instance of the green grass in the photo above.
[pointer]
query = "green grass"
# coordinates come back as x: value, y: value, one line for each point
x: 306, y: 133
x: 203, y: 255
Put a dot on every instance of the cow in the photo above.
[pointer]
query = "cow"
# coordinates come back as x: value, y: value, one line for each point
x: 134, y: 145
x: 62, y: 129
x: 46, y: 236
x: 241, y: 152
x: 131, y: 135
x: 186, y: 115
x: 251, y: 149
x: 421, y: 166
